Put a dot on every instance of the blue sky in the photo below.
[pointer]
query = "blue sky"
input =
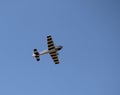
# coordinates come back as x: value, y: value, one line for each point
x: 89, y: 30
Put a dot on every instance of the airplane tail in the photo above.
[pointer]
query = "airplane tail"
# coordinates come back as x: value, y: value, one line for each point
x: 36, y: 54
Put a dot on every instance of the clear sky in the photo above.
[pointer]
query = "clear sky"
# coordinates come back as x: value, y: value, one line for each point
x: 89, y: 30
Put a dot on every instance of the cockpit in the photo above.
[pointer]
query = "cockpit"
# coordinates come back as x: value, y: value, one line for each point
x: 59, y: 47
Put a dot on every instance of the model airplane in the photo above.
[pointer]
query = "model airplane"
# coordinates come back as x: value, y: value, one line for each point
x: 52, y: 50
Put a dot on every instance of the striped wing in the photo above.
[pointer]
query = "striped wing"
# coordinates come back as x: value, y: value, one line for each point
x: 54, y: 57
x: 50, y: 47
x: 36, y: 54
x: 50, y: 43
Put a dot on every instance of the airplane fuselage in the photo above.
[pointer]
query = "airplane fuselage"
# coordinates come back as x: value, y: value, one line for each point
x: 57, y: 48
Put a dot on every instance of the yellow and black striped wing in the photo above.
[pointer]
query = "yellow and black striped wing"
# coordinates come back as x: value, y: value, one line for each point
x: 51, y: 46
x: 54, y: 57
x: 50, y: 43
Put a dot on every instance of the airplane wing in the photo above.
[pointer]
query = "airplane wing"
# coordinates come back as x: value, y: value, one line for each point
x: 55, y: 57
x: 51, y: 46
x: 50, y: 43
x: 36, y: 54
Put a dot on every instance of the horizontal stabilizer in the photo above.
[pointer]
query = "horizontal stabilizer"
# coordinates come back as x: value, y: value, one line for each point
x: 37, y: 55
